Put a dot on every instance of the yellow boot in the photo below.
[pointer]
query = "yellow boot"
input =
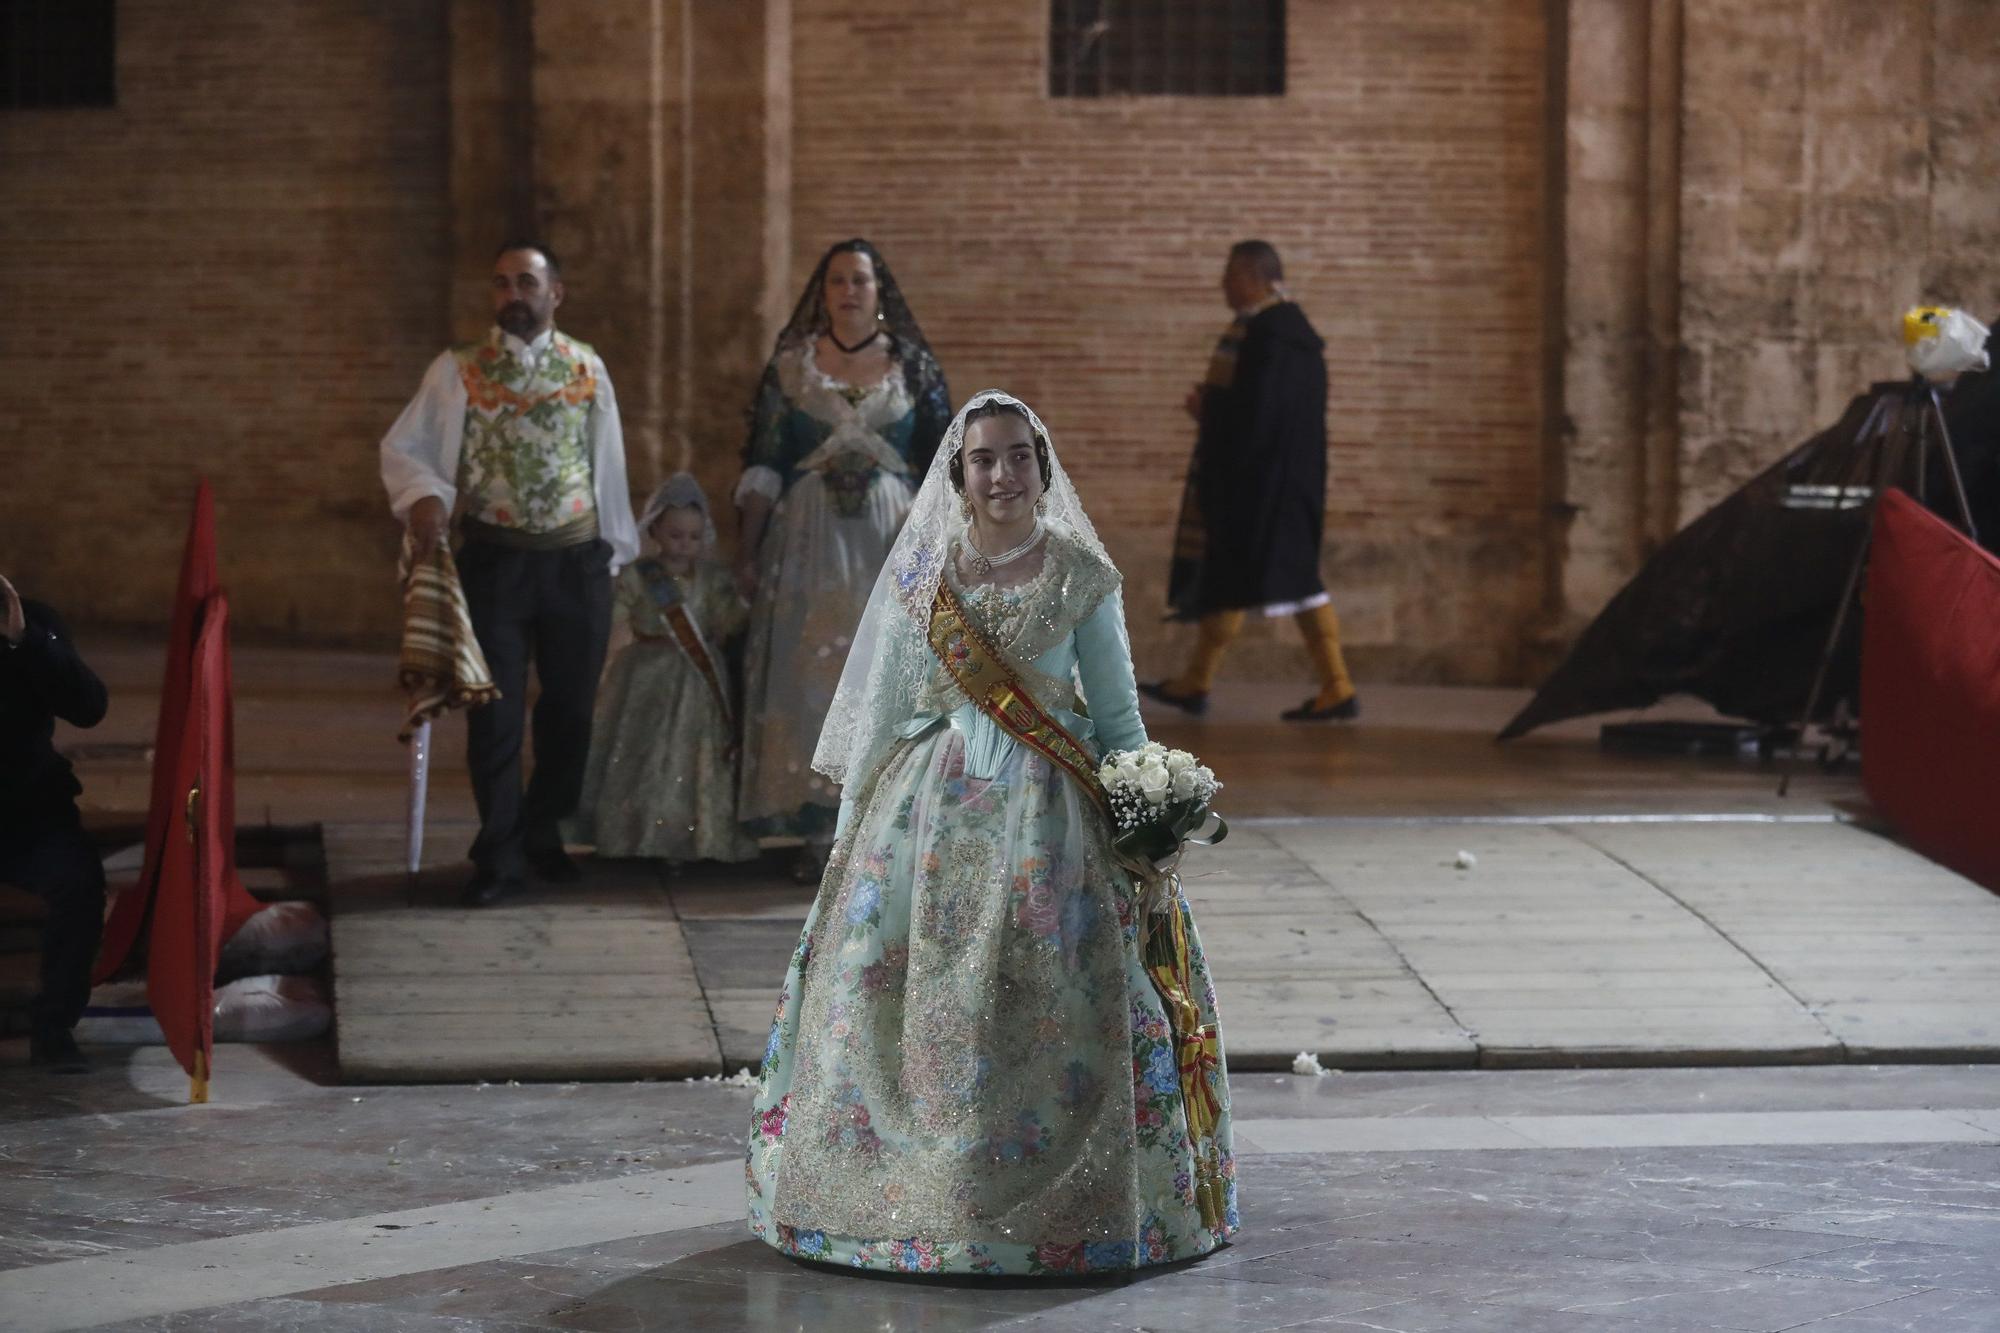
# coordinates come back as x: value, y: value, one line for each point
x: 1189, y: 690
x: 1336, y: 697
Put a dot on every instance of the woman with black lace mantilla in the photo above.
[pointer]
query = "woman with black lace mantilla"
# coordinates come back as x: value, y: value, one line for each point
x: 846, y: 419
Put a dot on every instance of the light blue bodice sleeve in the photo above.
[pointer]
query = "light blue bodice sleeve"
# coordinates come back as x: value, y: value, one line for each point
x: 1096, y: 656
x: 1104, y: 666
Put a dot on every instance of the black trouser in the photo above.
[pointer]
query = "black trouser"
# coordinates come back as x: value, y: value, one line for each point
x: 48, y: 854
x: 552, y: 608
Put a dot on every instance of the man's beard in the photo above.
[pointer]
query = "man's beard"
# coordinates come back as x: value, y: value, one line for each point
x: 516, y: 318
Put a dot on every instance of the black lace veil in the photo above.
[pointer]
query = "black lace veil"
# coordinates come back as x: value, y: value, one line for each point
x: 908, y: 346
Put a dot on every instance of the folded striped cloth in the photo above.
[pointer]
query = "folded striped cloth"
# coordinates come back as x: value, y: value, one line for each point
x: 441, y: 666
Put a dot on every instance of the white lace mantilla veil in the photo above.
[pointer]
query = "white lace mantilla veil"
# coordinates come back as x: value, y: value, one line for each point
x: 890, y: 659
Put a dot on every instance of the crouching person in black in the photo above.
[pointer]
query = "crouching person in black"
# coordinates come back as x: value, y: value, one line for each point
x: 42, y: 844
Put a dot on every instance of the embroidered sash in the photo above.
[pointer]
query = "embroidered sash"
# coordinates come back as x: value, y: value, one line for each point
x: 979, y: 669
x: 686, y: 633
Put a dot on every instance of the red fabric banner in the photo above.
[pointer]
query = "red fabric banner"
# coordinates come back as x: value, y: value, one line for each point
x: 1930, y: 688
x: 189, y: 898
x: 198, y: 580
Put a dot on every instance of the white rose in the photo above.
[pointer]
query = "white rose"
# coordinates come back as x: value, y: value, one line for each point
x: 1128, y: 773
x: 1184, y: 785
x: 1153, y: 781
x: 1179, y: 761
x: 1207, y: 776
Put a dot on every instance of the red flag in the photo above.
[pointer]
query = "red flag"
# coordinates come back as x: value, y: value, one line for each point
x: 194, y: 913
x: 189, y: 898
x: 128, y: 915
x: 1930, y: 687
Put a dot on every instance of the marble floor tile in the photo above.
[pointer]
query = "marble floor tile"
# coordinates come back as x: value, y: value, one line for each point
x: 1926, y: 1312
x: 1752, y: 1302
x: 1970, y: 1269
x: 1964, y: 1227
x: 291, y: 1315
x: 1435, y: 1314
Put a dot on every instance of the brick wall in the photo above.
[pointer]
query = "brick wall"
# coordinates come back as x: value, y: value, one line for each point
x: 1841, y: 163
x: 239, y: 272
x: 1070, y: 250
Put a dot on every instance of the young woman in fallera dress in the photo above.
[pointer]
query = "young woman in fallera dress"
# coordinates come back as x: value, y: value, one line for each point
x: 971, y: 1069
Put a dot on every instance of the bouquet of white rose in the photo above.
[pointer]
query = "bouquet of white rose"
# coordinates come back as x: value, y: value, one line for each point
x: 1160, y: 802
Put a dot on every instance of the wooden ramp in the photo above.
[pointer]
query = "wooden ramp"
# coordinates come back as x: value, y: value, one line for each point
x: 586, y: 981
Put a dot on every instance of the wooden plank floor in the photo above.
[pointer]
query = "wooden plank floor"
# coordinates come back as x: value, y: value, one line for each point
x: 585, y: 981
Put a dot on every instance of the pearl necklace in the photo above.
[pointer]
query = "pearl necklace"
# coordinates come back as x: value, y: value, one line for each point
x: 983, y: 563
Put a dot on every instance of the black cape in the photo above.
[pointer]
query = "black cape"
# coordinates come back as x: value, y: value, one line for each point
x: 1258, y: 482
x: 1735, y: 609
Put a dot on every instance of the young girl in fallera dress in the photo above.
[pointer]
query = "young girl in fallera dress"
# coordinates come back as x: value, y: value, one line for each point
x: 661, y: 779
x: 972, y: 1069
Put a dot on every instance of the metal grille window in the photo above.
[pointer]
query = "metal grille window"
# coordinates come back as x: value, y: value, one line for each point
x: 58, y: 53
x: 1166, y: 48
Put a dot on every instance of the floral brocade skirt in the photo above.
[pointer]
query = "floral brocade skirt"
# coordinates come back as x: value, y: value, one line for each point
x: 821, y: 554
x: 970, y: 1070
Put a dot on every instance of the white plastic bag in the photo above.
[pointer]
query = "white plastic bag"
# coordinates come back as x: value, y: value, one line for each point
x: 252, y: 1009
x: 1941, y: 341
x: 285, y: 938
x: 271, y: 1009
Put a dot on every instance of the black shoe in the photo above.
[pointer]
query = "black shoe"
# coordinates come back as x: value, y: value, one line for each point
x: 1194, y: 704
x: 58, y: 1053
x: 487, y: 887
x: 555, y: 865
x: 1346, y: 709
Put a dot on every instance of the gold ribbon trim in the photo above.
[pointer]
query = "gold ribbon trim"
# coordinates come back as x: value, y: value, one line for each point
x: 1198, y: 1053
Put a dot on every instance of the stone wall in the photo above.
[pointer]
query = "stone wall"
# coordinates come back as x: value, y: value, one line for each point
x: 1841, y: 163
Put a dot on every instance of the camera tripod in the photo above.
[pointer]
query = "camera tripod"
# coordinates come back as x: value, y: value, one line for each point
x: 1900, y: 432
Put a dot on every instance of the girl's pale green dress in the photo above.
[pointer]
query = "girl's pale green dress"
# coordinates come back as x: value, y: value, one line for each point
x: 661, y: 779
x: 970, y: 1071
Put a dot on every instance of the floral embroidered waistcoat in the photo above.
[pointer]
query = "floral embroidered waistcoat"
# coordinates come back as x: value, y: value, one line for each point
x: 525, y: 463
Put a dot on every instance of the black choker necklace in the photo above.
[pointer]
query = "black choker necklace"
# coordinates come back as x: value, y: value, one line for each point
x: 834, y: 338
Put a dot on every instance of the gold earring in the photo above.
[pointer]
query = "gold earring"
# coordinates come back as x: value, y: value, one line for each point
x: 965, y: 508
x: 1042, y: 503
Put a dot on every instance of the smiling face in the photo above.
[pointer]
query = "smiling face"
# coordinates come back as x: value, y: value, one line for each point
x: 679, y: 533
x: 851, y: 294
x: 1003, y: 477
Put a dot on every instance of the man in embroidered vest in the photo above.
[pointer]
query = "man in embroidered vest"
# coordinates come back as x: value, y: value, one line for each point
x: 519, y: 433
x: 1255, y: 504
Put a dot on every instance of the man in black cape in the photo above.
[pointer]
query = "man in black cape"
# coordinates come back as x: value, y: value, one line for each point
x: 1254, y: 510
